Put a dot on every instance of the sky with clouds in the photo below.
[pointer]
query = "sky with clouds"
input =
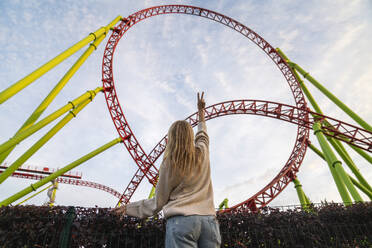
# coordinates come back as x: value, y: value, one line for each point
x: 159, y: 66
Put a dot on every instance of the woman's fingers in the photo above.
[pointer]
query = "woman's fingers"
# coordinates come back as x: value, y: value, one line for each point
x: 201, y: 102
x: 201, y: 98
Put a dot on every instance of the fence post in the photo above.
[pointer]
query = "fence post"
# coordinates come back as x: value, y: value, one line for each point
x: 64, y: 238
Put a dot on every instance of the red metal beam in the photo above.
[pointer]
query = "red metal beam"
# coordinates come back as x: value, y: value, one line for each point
x: 44, y: 170
x: 71, y: 181
x: 144, y: 162
x: 117, y: 115
x: 345, y: 132
x: 298, y: 115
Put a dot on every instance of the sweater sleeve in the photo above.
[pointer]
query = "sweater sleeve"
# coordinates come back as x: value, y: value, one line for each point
x: 201, y: 137
x: 149, y: 207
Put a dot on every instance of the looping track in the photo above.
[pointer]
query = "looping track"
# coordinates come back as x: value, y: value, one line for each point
x: 337, y: 129
x: 145, y: 162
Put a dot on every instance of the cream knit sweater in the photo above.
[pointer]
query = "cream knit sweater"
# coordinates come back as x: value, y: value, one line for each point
x: 181, y: 196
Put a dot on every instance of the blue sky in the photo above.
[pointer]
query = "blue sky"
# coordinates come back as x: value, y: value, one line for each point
x: 160, y: 65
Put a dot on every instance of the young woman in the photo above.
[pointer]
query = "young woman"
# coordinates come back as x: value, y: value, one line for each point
x: 184, y: 190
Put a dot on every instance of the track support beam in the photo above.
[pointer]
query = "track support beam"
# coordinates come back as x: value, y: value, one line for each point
x: 55, y: 91
x: 33, y: 195
x: 332, y: 97
x: 317, y: 108
x: 33, y: 149
x: 349, y: 162
x: 354, y: 181
x: 300, y: 193
x: 21, y: 84
x: 337, y: 145
x: 58, y: 173
x: 5, y: 147
x: 336, y: 168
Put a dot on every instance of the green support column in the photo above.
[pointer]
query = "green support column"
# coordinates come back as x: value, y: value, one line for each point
x: 333, y: 163
x: 58, y: 173
x: 5, y: 147
x: 223, y: 204
x: 350, y: 163
x: 152, y: 192
x: 332, y: 97
x: 317, y: 108
x: 303, y: 86
x: 31, y: 151
x: 300, y: 193
x: 54, y: 92
x: 337, y: 145
x: 354, y: 181
x: 32, y: 196
x: 21, y: 84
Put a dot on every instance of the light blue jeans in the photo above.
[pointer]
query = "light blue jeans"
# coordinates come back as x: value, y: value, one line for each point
x: 192, y: 231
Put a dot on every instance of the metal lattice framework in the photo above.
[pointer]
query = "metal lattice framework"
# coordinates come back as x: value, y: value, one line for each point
x: 71, y: 181
x: 338, y: 129
x: 130, y: 141
x: 298, y: 115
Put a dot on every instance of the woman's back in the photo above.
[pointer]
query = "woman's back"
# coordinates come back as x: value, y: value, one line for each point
x: 179, y: 194
x: 192, y: 194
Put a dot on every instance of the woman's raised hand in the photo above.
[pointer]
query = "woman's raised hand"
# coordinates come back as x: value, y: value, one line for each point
x: 201, y: 102
x: 201, y: 106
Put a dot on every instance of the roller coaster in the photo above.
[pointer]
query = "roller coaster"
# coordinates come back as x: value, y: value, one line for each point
x: 332, y: 134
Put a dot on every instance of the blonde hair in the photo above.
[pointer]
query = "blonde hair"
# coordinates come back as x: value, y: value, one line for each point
x: 180, y: 150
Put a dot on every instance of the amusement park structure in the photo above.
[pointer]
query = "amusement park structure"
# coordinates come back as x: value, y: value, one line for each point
x: 71, y: 177
x: 332, y: 134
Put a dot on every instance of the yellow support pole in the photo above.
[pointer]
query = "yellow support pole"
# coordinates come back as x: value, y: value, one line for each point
x: 31, y: 151
x: 317, y: 108
x: 24, y: 82
x: 152, y: 192
x: 58, y: 173
x: 7, y: 146
x: 337, y: 145
x: 308, y: 202
x: 53, y: 193
x: 34, y: 195
x: 354, y: 181
x: 300, y: 193
x: 223, y: 204
x: 340, y: 150
x: 335, y: 164
x: 332, y: 97
x: 54, y: 92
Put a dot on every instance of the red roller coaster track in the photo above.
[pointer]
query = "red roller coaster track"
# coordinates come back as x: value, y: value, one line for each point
x: 334, y: 128
x: 299, y: 114
x: 71, y: 181
x: 130, y: 141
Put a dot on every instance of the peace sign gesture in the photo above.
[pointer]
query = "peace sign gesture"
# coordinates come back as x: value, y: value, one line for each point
x: 201, y: 102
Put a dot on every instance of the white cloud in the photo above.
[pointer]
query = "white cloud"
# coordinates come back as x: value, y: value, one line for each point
x: 288, y: 36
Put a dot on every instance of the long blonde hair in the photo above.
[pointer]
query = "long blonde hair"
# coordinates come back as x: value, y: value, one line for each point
x: 180, y: 149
